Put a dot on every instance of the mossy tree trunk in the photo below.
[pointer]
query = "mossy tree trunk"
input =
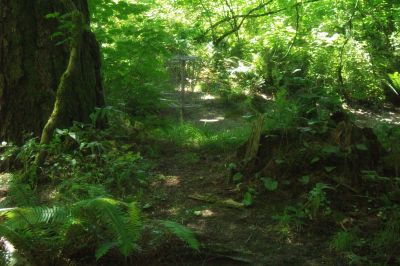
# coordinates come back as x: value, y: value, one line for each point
x: 31, y: 66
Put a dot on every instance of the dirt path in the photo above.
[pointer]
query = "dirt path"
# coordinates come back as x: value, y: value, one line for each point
x: 368, y: 118
x: 230, y: 236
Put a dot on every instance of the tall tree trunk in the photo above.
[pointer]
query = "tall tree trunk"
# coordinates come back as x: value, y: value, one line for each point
x: 31, y: 65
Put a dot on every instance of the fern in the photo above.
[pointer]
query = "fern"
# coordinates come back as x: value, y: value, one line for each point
x: 182, y: 232
x: 15, y: 238
x: 104, y: 248
x: 19, y: 218
x: 110, y: 217
x: 108, y: 212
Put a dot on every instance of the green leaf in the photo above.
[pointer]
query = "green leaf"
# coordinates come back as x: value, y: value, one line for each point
x: 270, y: 184
x: 362, y: 147
x: 329, y: 168
x: 315, y: 159
x: 330, y: 149
x: 53, y: 15
x: 237, y: 177
x: 248, y: 199
x: 104, y: 248
x: 305, y: 179
x: 182, y: 232
x: 232, y: 166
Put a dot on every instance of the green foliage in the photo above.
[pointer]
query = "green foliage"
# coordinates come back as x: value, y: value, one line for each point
x: 304, y: 179
x: 136, y: 46
x: 292, y: 219
x: 343, y: 241
x: 395, y: 78
x: 124, y: 228
x: 200, y: 136
x: 51, y: 229
x: 89, y: 178
x: 296, y: 62
x: 318, y: 203
x: 283, y: 113
x: 270, y: 184
x: 248, y: 198
x: 182, y: 232
x: 66, y: 28
x: 386, y: 240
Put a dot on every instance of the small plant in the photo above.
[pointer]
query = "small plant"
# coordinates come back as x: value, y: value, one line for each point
x: 317, y: 202
x: 284, y: 113
x: 343, y: 241
x: 291, y: 219
x: 387, y: 239
x: 305, y: 179
x: 270, y: 184
x: 182, y: 232
x: 248, y: 197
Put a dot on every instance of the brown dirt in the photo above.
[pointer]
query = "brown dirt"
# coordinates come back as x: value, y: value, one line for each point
x: 229, y: 236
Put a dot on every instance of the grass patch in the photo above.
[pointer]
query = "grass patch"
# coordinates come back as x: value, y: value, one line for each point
x: 189, y: 135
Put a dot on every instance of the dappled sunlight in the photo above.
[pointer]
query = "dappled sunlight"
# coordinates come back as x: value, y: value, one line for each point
x: 205, y: 213
x: 208, y: 97
x: 370, y: 118
x: 172, y: 181
x: 174, y: 210
x: 266, y: 97
x: 5, y: 177
x: 212, y: 120
x: 204, y: 132
x: 53, y: 194
x: 8, y: 249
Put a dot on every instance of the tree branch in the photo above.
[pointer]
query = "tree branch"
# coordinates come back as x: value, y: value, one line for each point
x: 227, y: 19
x: 295, y: 35
x: 250, y: 14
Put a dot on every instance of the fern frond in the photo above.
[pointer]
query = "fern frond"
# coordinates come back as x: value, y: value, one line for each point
x: 124, y: 227
x: 20, y: 218
x: 118, y: 221
x: 15, y: 238
x: 104, y: 248
x: 182, y: 232
x: 134, y: 218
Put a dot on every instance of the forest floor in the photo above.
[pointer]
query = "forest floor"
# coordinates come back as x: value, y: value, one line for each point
x: 191, y: 186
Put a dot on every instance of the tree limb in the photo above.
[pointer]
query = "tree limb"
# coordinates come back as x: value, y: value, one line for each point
x: 295, y: 35
x: 250, y: 14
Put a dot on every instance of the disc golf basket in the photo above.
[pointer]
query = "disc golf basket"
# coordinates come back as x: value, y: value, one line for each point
x: 184, y: 71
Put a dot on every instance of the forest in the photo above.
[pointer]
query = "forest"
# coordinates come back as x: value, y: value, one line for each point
x: 199, y: 132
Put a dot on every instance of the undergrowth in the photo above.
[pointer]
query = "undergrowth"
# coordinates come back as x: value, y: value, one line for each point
x: 190, y: 135
x: 88, y: 209
x: 341, y: 177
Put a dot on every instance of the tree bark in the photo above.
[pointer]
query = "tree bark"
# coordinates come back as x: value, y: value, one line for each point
x: 31, y: 65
